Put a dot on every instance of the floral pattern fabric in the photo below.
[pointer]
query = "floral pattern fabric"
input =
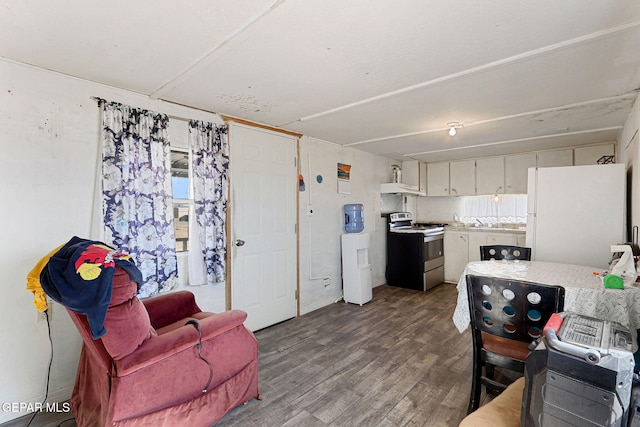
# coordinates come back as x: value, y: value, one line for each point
x: 136, y: 195
x: 210, y: 163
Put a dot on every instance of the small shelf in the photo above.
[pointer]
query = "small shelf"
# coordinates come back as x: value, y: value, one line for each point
x: 399, y: 188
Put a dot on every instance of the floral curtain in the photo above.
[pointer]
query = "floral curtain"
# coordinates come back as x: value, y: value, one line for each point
x: 136, y: 192
x: 210, y: 162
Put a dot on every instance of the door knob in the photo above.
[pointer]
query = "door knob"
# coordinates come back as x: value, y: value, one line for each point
x: 239, y: 242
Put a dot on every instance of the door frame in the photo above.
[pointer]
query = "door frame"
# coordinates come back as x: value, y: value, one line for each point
x: 230, y: 121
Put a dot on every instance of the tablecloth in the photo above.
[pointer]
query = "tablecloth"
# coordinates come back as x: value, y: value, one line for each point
x: 585, y: 293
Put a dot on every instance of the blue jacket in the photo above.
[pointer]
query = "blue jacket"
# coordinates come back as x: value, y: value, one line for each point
x: 79, y: 277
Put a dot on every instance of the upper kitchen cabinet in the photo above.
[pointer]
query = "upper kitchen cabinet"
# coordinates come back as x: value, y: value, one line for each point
x: 414, y: 174
x: 463, y: 178
x: 490, y: 175
x: 438, y: 179
x: 591, y: 155
x: 555, y: 158
x: 504, y: 174
x: 515, y: 172
x: 413, y: 177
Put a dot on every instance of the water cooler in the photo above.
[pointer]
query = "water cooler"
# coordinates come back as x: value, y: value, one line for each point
x: 356, y: 270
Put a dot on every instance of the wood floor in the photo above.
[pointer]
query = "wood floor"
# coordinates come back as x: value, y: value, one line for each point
x: 396, y: 361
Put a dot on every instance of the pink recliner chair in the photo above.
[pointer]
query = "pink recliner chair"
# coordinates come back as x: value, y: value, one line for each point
x: 162, y: 362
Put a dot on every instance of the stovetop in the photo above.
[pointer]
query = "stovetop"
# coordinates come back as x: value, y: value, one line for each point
x: 424, y: 225
x: 401, y: 222
x: 427, y: 231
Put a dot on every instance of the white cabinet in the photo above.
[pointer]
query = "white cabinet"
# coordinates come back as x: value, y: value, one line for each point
x: 482, y: 238
x: 515, y: 172
x: 414, y: 174
x: 476, y: 239
x: 490, y: 175
x: 462, y: 247
x: 496, y: 175
x: 463, y: 178
x: 555, y: 158
x: 438, y: 179
x: 590, y: 155
x: 501, y: 239
x: 456, y: 249
x: 356, y: 270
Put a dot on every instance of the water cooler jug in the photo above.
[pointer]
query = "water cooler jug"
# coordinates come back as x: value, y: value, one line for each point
x: 353, y: 218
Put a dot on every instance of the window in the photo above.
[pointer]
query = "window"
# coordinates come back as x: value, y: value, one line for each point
x: 498, y: 209
x: 182, y: 199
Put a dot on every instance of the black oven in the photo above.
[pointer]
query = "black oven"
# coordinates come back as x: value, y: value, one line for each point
x: 415, y: 254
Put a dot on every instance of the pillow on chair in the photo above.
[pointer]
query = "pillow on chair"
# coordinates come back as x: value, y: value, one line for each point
x: 127, y: 321
x: 502, y: 411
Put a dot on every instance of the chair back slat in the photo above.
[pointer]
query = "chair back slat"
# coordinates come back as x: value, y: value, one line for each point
x: 507, y: 252
x: 512, y: 309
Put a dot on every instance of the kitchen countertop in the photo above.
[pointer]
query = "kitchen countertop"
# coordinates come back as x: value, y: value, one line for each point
x: 518, y: 229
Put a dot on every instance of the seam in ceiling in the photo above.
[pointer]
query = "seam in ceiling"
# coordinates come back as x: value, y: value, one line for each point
x: 495, y: 119
x: 202, y: 62
x: 533, y: 138
x: 526, y: 55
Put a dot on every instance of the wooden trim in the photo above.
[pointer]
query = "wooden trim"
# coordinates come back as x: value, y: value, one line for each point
x: 228, y: 257
x: 228, y: 217
x: 227, y: 227
x: 298, y: 228
x: 258, y: 125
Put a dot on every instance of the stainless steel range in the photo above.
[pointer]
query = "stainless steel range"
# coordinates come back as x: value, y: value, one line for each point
x: 415, y: 253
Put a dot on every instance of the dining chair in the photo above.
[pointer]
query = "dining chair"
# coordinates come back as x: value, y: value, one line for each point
x: 506, y: 316
x: 507, y: 252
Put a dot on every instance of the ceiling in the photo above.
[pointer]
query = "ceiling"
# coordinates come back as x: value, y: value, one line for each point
x: 380, y: 76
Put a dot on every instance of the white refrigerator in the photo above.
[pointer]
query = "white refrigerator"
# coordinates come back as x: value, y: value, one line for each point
x: 575, y: 213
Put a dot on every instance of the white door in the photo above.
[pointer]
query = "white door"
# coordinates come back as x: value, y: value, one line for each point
x: 263, y: 225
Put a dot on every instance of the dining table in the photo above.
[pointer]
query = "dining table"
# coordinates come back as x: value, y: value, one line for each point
x: 585, y: 293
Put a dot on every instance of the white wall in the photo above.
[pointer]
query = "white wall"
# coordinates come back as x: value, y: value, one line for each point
x: 49, y: 136
x: 320, y: 254
x: 629, y: 153
x: 438, y: 209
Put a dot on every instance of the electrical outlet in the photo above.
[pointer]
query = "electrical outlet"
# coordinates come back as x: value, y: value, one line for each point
x: 326, y: 282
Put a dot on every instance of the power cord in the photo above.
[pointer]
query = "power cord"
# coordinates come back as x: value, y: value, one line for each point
x: 46, y: 393
x: 199, y: 347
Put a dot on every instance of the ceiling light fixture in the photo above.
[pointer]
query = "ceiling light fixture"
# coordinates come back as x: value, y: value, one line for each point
x: 453, y: 126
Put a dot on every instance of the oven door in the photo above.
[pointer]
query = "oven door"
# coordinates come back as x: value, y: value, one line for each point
x: 433, y: 252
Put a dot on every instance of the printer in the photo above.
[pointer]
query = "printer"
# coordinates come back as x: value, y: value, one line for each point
x: 579, y: 373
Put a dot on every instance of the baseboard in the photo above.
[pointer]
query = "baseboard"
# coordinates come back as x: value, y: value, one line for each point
x: 318, y: 305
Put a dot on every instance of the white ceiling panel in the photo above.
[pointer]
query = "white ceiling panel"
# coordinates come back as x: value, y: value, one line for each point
x: 460, y: 152
x: 580, y: 122
x: 135, y: 45
x: 516, y: 73
x: 556, y: 79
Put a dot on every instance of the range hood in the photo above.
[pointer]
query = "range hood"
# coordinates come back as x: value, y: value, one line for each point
x: 400, y: 188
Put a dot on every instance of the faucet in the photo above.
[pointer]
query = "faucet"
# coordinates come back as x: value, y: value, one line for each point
x: 479, y: 222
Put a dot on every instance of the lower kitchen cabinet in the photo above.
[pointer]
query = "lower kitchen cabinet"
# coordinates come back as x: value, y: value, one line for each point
x: 462, y: 247
x: 456, y: 254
